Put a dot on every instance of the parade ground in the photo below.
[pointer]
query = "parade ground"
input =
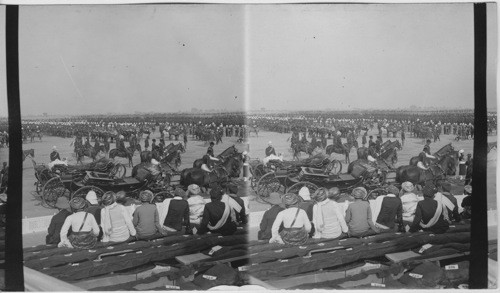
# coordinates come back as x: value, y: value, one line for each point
x: 36, y: 217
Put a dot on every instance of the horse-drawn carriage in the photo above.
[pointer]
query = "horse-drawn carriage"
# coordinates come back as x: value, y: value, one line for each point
x: 284, y: 181
x: 260, y: 168
x: 49, y: 179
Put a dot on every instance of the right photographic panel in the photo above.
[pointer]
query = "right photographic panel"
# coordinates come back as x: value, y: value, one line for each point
x: 361, y: 138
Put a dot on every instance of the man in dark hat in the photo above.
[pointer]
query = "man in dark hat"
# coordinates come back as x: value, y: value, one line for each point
x: 429, y: 213
x: 216, y: 215
x: 146, y: 220
x: 57, y: 221
x: 269, y: 216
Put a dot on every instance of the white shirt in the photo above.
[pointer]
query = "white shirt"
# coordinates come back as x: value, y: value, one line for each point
x: 286, y: 217
x: 75, y: 221
x: 409, y: 201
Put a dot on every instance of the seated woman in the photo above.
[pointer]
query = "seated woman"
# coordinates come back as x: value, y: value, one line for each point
x: 217, y: 215
x: 146, y: 220
x: 328, y: 219
x: 429, y: 213
x: 83, y: 225
x: 269, y: 216
x: 116, y: 221
x: 388, y: 211
x: 295, y: 222
x: 359, y: 215
x: 409, y: 200
x: 196, y: 204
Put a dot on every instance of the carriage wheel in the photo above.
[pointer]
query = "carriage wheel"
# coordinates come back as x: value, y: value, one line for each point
x: 257, y: 173
x: 373, y: 194
x: 82, y: 192
x: 52, y: 190
x: 267, y: 184
x: 334, y: 167
x: 118, y: 171
x: 297, y: 186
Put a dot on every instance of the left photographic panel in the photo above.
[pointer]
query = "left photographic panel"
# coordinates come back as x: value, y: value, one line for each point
x: 132, y: 122
x: 4, y: 147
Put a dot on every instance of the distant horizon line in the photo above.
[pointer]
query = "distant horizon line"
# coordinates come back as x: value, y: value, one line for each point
x: 252, y: 111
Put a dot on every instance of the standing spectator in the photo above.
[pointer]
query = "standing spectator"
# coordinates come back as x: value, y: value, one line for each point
x: 269, y: 216
x: 359, y: 216
x: 57, y: 221
x: 328, y: 219
x: 146, y: 143
x: 403, y: 137
x: 295, y: 222
x: 146, y: 220
x: 462, y: 167
x: 116, y: 221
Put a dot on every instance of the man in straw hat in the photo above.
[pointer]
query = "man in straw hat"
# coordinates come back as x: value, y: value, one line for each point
x: 269, y: 216
x: 359, y: 216
x: 57, y: 221
x: 429, y: 213
x: 146, y: 220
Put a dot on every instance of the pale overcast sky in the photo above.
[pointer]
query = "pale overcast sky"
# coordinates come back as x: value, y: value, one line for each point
x: 163, y: 58
x: 362, y: 56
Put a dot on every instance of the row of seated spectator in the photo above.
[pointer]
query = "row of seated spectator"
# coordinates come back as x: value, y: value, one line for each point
x: 294, y: 218
x: 82, y: 222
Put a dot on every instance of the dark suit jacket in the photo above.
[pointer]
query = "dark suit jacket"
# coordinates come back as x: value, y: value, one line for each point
x: 177, y: 215
x: 212, y: 214
x: 424, y: 212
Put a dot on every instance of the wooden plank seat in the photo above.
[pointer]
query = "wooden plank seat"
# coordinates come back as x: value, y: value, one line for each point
x: 278, y: 261
x: 83, y: 264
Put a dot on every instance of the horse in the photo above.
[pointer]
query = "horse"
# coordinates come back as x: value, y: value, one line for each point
x: 30, y: 153
x: 85, y: 151
x: 128, y: 153
x: 345, y: 149
x: 230, y: 151
x: 172, y: 158
x: 306, y: 147
x: 441, y: 152
x: 230, y: 168
x: 437, y: 171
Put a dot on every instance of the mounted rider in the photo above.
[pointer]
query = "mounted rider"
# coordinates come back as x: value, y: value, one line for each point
x: 424, y: 156
x: 120, y: 143
x: 208, y: 159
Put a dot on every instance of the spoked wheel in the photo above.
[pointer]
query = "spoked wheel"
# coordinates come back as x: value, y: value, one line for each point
x: 267, y: 184
x: 118, y: 171
x: 334, y: 167
x: 297, y: 186
x: 82, y: 192
x: 52, y: 190
x: 257, y: 173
